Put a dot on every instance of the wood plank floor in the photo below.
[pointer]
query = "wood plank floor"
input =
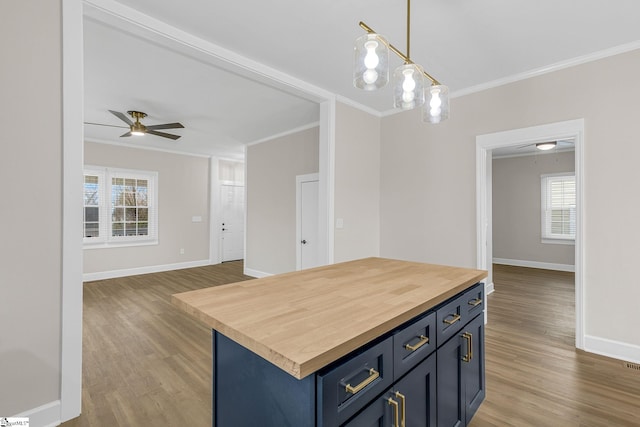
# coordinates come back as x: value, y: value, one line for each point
x: 535, y: 376
x: 146, y: 363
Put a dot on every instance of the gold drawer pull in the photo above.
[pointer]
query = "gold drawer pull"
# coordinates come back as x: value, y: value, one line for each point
x: 373, y: 375
x: 453, y: 320
x: 475, y: 302
x: 467, y: 357
x: 423, y: 341
x: 404, y: 408
x: 395, y: 411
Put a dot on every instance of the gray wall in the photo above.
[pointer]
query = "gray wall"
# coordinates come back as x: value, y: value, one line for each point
x: 183, y: 192
x: 272, y: 168
x: 428, y: 198
x: 31, y: 209
x: 517, y: 210
x: 357, y: 184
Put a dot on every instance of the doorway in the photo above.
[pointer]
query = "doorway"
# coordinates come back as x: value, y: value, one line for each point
x: 232, y: 222
x: 573, y: 129
x: 307, y: 215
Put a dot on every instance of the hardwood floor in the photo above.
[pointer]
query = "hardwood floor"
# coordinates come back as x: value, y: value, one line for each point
x: 535, y: 376
x: 145, y: 363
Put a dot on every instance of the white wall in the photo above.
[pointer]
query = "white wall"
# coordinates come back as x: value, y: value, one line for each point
x: 517, y: 208
x: 272, y: 168
x: 183, y: 192
x: 357, y: 184
x: 31, y: 209
x: 428, y: 182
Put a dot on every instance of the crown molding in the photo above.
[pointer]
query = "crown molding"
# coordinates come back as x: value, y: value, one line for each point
x: 285, y: 133
x: 616, y: 50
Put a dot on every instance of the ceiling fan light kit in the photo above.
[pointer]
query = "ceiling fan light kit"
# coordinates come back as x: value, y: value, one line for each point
x: 136, y: 128
x: 371, y: 72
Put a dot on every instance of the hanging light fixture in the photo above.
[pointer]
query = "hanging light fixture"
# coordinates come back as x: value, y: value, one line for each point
x: 371, y: 72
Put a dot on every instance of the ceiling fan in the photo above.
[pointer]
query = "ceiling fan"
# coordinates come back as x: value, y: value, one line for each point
x: 137, y: 128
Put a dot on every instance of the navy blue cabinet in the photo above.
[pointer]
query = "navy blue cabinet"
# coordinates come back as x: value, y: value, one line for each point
x: 429, y: 371
x: 461, y: 371
x: 413, y: 399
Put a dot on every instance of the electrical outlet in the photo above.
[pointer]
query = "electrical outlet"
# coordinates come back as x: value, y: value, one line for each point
x: 181, y: 251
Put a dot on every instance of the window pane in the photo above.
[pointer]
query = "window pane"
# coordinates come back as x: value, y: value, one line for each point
x: 141, y: 196
x: 130, y: 185
x: 91, y: 214
x: 143, y: 229
x: 131, y: 214
x: 117, y: 214
x: 91, y: 229
x: 129, y: 199
x: 143, y: 214
x: 130, y: 229
x: 117, y: 229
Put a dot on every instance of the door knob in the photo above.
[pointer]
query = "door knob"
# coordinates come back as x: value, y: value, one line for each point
x: 304, y: 242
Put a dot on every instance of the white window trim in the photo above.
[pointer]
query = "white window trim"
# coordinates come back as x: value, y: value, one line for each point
x: 106, y: 240
x: 545, y: 238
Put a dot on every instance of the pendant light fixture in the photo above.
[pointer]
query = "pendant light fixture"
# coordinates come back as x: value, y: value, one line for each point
x: 371, y: 72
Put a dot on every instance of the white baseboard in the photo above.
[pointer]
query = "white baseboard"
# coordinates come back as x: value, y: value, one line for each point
x: 535, y: 264
x: 255, y: 273
x: 102, y: 275
x: 610, y: 348
x: 47, y: 415
x: 489, y: 288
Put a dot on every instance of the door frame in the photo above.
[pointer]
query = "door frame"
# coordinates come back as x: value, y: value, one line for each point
x: 311, y: 177
x: 484, y: 145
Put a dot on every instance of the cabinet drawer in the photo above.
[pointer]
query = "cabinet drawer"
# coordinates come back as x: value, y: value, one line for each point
x: 346, y: 388
x: 450, y: 318
x: 412, y: 344
x: 475, y: 301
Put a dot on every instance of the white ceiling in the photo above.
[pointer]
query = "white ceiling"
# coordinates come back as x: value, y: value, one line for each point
x: 466, y: 44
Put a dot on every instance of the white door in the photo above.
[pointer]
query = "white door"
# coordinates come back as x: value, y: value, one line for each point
x: 232, y: 222
x: 307, y: 219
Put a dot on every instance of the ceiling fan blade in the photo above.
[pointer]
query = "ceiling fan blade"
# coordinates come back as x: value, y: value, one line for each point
x: 121, y: 116
x: 126, y: 134
x: 165, y: 126
x: 162, y: 134
x: 103, y: 124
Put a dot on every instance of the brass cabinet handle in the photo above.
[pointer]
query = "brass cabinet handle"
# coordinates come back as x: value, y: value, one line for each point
x: 475, y: 302
x: 423, y: 341
x: 395, y: 411
x: 453, y: 320
x: 373, y: 374
x: 467, y: 357
x: 402, y: 399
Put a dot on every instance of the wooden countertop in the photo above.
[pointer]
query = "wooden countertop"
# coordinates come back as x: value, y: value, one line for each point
x: 303, y: 321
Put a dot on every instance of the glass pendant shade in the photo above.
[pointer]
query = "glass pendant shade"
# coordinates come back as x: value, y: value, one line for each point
x: 371, y: 62
x: 436, y: 105
x: 408, y: 87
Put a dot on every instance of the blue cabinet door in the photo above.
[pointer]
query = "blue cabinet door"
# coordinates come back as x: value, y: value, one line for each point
x: 419, y: 391
x: 451, y: 409
x: 461, y: 377
x: 473, y: 370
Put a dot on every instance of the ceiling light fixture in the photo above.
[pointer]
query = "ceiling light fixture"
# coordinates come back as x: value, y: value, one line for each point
x: 137, y: 128
x: 371, y: 72
x: 546, y: 145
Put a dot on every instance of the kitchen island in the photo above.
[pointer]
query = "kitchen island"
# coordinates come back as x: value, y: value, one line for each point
x: 333, y: 345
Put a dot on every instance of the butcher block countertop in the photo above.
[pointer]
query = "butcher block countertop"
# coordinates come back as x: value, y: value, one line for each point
x: 305, y: 320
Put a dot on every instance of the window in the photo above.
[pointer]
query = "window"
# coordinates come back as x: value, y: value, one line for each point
x: 558, y: 208
x: 120, y: 207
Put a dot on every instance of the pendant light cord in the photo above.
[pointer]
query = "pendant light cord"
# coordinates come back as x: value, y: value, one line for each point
x: 408, y: 29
